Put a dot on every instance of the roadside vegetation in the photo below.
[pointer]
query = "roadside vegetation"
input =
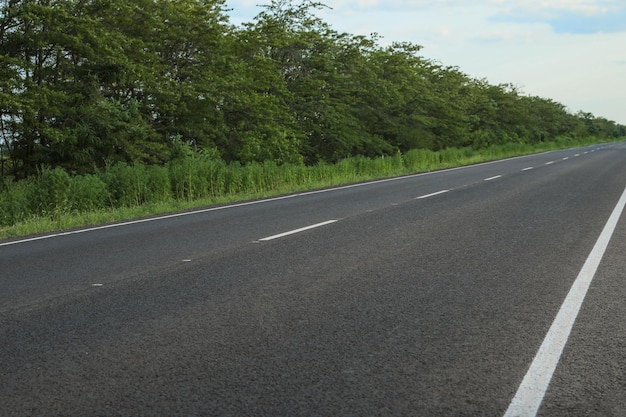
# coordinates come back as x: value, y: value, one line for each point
x: 54, y: 200
x: 116, y: 109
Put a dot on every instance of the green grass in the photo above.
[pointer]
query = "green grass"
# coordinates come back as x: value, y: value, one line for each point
x: 55, y: 201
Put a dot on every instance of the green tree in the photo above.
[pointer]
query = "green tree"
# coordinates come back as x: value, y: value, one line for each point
x: 90, y: 83
x: 62, y: 58
x: 95, y: 81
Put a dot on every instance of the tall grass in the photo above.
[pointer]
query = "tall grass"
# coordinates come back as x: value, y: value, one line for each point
x: 56, y: 200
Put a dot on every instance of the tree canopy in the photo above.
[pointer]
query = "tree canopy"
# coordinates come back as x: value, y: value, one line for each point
x: 86, y: 83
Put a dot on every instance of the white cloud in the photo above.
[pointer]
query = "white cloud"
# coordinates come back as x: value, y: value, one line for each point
x: 364, y: 4
x: 568, y: 16
x: 586, y: 7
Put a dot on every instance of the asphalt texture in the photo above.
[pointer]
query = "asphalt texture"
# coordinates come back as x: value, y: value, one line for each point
x: 404, y: 306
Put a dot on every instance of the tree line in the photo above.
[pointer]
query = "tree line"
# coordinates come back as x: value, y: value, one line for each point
x: 86, y: 84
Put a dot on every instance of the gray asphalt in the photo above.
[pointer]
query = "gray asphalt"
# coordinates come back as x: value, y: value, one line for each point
x: 402, y: 307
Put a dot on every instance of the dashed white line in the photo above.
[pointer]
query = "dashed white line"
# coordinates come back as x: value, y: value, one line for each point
x: 493, y: 178
x: 528, y: 168
x: 291, y: 232
x: 566, y: 158
x: 535, y: 384
x: 243, y: 204
x: 432, y: 194
x: 549, y: 163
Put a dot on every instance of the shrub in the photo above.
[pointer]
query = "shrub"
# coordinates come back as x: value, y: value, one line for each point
x: 197, y: 177
x: 127, y: 184
x: 14, y: 203
x: 48, y: 194
x: 87, y: 193
x: 159, y: 186
x: 420, y: 159
x: 234, y: 179
x: 254, y: 178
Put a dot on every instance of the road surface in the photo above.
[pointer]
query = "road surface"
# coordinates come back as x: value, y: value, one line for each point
x: 427, y: 295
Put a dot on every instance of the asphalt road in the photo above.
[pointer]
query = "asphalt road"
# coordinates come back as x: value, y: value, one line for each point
x: 427, y: 295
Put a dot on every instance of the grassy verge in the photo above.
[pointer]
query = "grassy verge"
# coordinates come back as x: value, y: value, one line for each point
x: 57, y: 201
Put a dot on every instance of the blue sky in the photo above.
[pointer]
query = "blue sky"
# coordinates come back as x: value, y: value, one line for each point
x: 572, y: 51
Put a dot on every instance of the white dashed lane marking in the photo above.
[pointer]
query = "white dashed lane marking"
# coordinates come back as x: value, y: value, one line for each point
x: 432, y: 194
x: 291, y: 232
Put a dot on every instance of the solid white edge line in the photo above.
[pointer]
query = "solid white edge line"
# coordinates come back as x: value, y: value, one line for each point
x: 302, y: 229
x: 248, y: 203
x: 493, y: 178
x: 150, y: 219
x: 535, y: 384
x: 431, y: 194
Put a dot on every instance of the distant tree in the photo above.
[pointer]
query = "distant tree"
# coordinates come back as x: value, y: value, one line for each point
x: 315, y: 79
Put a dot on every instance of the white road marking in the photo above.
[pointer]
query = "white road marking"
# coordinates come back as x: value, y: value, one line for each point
x: 97, y: 285
x: 549, y: 163
x: 528, y: 169
x: 432, y: 194
x: 577, y: 155
x: 302, y: 229
x: 566, y: 158
x: 151, y: 219
x: 535, y: 384
x: 493, y: 178
x: 186, y: 260
x: 249, y: 203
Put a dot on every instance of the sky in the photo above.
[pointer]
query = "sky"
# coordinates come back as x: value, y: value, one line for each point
x: 571, y: 51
